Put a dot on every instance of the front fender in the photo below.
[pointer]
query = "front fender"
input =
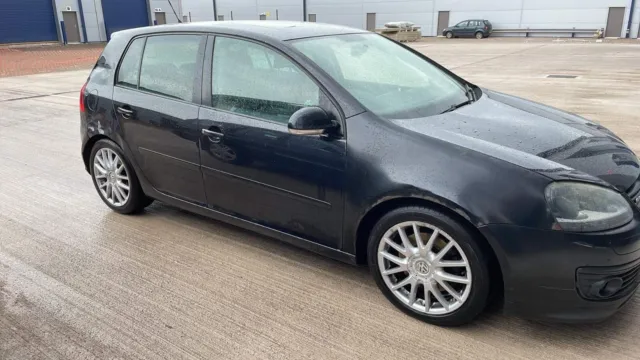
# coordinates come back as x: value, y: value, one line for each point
x: 386, y: 161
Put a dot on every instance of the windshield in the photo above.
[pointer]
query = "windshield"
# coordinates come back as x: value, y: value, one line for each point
x: 388, y: 79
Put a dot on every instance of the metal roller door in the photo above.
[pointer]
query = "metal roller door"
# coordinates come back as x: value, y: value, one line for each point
x: 27, y: 21
x: 124, y: 14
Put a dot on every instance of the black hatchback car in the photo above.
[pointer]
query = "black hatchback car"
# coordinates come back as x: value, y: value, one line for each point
x: 362, y: 149
x: 469, y: 28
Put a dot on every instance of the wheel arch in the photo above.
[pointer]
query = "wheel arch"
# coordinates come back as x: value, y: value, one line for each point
x: 86, y: 151
x: 380, y: 209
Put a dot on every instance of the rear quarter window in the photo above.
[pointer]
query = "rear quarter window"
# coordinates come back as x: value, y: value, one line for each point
x: 130, y: 65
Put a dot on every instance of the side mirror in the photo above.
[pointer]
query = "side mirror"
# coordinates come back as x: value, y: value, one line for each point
x: 311, y: 120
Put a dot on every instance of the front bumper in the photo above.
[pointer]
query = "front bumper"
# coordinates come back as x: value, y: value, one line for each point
x: 541, y: 270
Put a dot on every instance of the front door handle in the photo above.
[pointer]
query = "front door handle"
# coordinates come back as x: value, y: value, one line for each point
x: 214, y: 136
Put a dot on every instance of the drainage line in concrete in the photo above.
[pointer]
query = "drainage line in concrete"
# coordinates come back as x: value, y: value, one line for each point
x: 38, y: 96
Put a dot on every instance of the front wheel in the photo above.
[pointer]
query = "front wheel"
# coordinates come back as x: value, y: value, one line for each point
x: 449, y: 34
x: 479, y: 35
x: 115, y: 180
x: 429, y: 266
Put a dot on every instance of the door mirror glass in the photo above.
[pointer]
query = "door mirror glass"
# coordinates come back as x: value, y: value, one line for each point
x: 311, y: 120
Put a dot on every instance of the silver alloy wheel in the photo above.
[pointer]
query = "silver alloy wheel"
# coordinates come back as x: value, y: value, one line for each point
x: 424, y: 268
x: 111, y: 177
x: 479, y: 35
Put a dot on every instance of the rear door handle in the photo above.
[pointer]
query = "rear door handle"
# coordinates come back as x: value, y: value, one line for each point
x: 211, y: 133
x: 125, y: 111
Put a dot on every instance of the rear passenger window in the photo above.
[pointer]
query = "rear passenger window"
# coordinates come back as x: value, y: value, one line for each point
x: 130, y: 66
x: 169, y: 65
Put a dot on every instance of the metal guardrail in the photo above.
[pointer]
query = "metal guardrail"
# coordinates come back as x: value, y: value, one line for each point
x: 528, y: 31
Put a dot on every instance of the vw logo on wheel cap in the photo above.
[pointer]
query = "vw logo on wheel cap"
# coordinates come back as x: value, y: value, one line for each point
x: 421, y: 267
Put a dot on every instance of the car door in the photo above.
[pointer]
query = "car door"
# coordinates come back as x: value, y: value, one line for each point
x: 156, y: 100
x: 477, y: 25
x: 252, y: 166
x: 470, y: 28
x: 460, y: 28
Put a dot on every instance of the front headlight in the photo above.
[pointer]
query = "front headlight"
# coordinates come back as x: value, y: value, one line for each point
x: 581, y: 207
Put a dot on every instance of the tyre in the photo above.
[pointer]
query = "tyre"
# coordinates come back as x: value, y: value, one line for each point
x: 115, y: 180
x: 448, y: 34
x: 479, y: 35
x: 429, y: 266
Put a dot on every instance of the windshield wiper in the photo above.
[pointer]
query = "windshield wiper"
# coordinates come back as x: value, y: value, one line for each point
x: 456, y: 106
x: 471, y: 95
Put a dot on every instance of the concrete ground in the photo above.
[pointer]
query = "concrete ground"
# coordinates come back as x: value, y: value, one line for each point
x: 78, y: 281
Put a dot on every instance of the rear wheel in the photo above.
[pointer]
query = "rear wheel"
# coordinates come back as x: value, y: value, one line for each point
x: 448, y: 34
x: 479, y: 35
x: 429, y: 266
x: 115, y: 180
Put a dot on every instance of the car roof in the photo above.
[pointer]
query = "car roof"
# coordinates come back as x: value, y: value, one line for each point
x: 273, y: 29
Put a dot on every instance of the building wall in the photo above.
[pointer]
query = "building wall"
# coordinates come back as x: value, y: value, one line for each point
x: 251, y: 9
x: 166, y: 8
x: 502, y: 13
x: 540, y: 14
x: 354, y: 12
x: 198, y: 9
x: 94, y: 20
x: 61, y: 5
x: 562, y: 14
x: 635, y: 31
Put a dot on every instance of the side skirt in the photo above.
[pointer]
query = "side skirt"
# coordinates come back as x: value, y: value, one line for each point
x: 249, y: 225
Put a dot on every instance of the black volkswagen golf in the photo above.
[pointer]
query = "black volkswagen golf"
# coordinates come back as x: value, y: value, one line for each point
x: 359, y: 148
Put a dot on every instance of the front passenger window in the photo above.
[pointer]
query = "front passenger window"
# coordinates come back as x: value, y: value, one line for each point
x: 253, y: 80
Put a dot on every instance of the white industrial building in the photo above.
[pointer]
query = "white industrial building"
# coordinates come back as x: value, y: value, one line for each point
x: 73, y: 21
x: 504, y: 14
